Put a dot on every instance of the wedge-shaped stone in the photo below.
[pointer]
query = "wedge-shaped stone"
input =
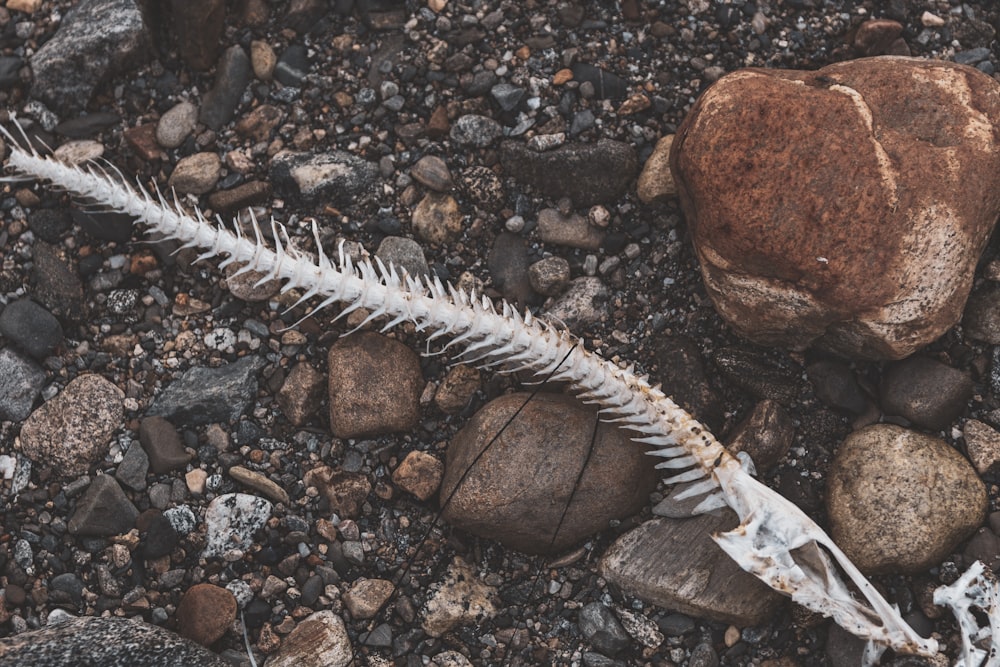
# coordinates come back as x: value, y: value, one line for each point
x: 675, y: 564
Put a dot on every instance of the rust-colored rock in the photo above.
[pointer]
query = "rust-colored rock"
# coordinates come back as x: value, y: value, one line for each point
x: 419, y: 474
x: 517, y: 490
x: 846, y: 207
x: 205, y: 613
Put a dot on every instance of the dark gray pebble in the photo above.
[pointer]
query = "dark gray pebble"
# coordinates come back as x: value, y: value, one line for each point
x: 757, y: 374
x: 105, y: 225
x: 31, y: 328
x: 925, y: 391
x: 132, y: 470
x: 475, y: 131
x: 586, y: 173
x: 205, y: 395
x: 103, y: 510
x: 292, y: 66
x: 232, y: 75
x: 49, y: 224
x: 334, y: 177
x: 163, y: 445
x: 835, y: 385
x: 56, y: 283
x: 602, y: 629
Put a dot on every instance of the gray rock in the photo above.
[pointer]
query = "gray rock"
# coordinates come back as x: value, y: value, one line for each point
x: 176, y: 125
x: 899, y: 501
x: 981, y: 319
x: 56, y: 282
x: 205, y: 395
x: 21, y: 381
x: 49, y: 224
x: 585, y: 302
x: 132, y: 470
x: 107, y: 35
x: 403, y: 253
x: 836, y: 386
x: 586, y: 173
x: 602, y: 629
x: 10, y: 71
x: 472, y: 130
x: 508, y: 266
x: 507, y: 95
x: 31, y: 328
x: 292, y: 66
x: 675, y: 564
x: 182, y: 519
x: 73, y: 430
x: 232, y: 75
x: 927, y: 392
x: 231, y: 521
x: 335, y: 177
x: 107, y: 642
x: 103, y: 510
x: 606, y: 84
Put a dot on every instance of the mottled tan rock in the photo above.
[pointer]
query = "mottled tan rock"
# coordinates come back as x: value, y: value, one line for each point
x: 674, y: 563
x: 262, y: 59
x: 569, y: 230
x: 245, y: 285
x: 419, y: 474
x: 321, y: 640
x: 656, y: 183
x: 845, y: 207
x: 259, y: 482
x: 461, y: 599
x: 457, y: 389
x: 900, y: 501
x: 982, y: 442
x: 367, y: 596
x: 437, y: 219
x: 518, y: 489
x: 345, y: 491
x: 205, y: 613
x: 259, y: 123
x: 73, y: 430
x: 196, y: 174
x: 374, y: 386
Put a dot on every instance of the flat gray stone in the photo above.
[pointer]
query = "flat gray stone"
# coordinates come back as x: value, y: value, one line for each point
x: 21, y: 381
x: 207, y: 395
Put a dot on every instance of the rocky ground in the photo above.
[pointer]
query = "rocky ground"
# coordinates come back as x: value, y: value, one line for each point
x: 218, y: 480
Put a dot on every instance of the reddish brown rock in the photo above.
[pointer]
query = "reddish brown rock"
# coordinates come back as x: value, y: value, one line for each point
x: 875, y: 37
x: 517, y: 490
x: 846, y: 207
x: 301, y: 393
x: 205, y: 613
x: 375, y: 384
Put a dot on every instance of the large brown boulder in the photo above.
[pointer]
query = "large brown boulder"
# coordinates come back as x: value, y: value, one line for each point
x: 845, y: 207
x: 535, y: 449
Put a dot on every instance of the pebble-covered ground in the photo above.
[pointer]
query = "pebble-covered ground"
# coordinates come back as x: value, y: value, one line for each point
x: 423, y: 113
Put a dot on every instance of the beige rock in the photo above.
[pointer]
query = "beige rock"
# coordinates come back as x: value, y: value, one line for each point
x: 26, y: 6
x: 982, y: 442
x: 569, y: 230
x: 419, y: 474
x: 259, y: 123
x: 900, y: 501
x: 367, y: 596
x: 461, y: 599
x: 517, y: 491
x: 259, y: 482
x: 176, y: 124
x: 845, y: 207
x: 262, y: 59
x: 436, y: 219
x: 196, y: 174
x: 73, y: 430
x: 656, y: 183
x: 79, y: 152
x: 345, y: 491
x: 321, y: 640
x: 244, y: 286
x: 374, y: 385
x: 457, y: 389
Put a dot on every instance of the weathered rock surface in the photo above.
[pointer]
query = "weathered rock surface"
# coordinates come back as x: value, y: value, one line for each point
x: 73, y: 430
x: 334, y: 177
x: 675, y: 563
x: 205, y: 613
x: 105, y: 641
x: 108, y: 35
x: 900, y: 501
x: 375, y: 384
x: 205, y: 395
x: 517, y: 491
x: 458, y: 600
x: 797, y: 184
x: 321, y: 640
